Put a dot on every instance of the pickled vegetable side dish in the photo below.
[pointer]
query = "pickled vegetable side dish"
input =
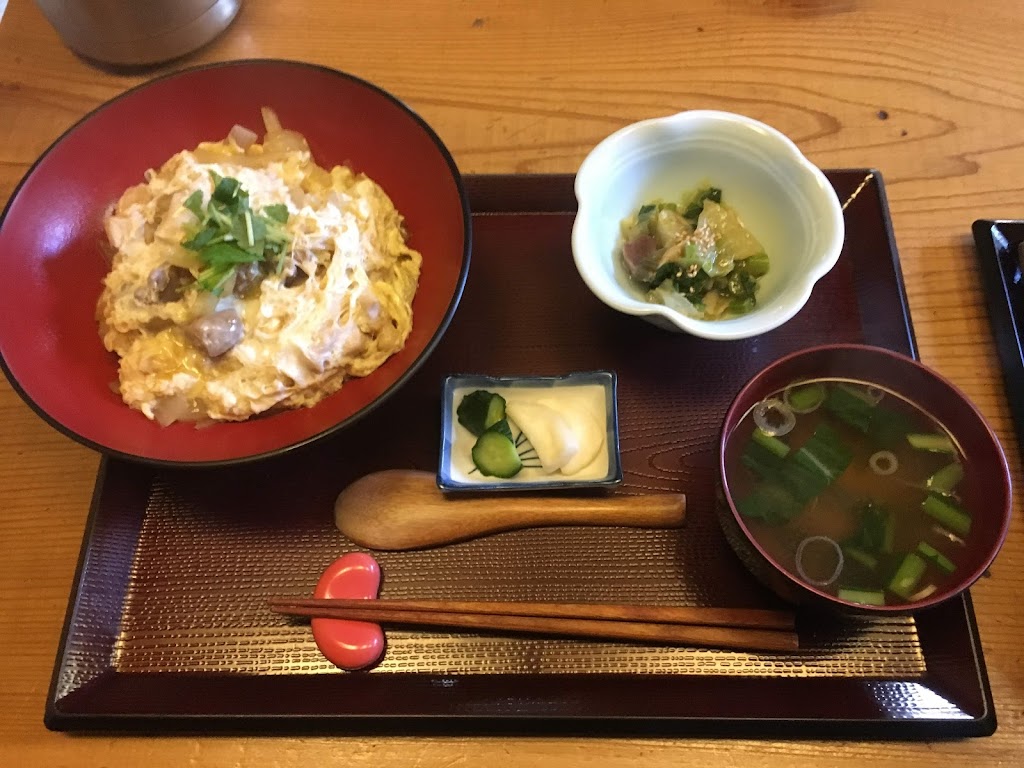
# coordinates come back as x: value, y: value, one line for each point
x: 549, y: 431
x: 853, y: 490
x: 695, y: 256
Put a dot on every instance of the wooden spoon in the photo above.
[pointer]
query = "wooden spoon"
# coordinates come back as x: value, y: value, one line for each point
x: 404, y: 509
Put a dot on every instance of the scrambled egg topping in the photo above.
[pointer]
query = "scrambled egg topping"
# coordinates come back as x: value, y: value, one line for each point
x: 285, y: 331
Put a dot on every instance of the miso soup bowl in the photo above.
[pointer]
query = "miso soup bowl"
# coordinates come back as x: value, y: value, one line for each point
x: 989, y: 506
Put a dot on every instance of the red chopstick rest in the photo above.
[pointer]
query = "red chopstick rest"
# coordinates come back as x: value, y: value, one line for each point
x: 349, y: 644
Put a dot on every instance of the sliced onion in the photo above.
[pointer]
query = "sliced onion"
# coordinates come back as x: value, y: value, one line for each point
x: 883, y: 463
x: 242, y: 136
x: 800, y: 565
x: 948, y: 535
x: 763, y: 413
x: 283, y: 142
x: 168, y: 410
x: 923, y: 593
x: 874, y: 394
x: 270, y: 121
x: 868, y: 394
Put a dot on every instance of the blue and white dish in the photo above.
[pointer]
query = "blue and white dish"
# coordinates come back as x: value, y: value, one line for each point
x: 592, y: 391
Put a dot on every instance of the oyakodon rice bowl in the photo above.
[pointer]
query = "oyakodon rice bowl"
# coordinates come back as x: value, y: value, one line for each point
x: 245, y: 277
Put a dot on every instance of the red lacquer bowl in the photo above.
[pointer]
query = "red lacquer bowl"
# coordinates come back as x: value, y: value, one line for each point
x: 989, y: 499
x: 52, y: 263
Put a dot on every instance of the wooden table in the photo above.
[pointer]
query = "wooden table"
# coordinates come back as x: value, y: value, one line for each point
x: 931, y: 97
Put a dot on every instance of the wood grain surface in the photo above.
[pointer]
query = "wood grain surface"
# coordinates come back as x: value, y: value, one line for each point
x: 932, y: 95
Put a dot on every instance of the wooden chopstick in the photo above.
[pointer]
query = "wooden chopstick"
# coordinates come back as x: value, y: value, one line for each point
x: 731, y: 637
x: 752, y: 618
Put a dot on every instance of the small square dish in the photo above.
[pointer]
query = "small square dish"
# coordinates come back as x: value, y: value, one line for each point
x: 573, y: 420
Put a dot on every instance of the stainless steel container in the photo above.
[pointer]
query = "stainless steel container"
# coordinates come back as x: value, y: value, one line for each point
x: 138, y: 31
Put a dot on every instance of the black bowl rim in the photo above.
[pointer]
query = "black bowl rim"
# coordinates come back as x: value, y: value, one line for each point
x: 467, y: 219
x: 824, y: 597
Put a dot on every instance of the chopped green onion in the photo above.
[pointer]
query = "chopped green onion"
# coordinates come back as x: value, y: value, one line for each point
x: 805, y: 398
x: 859, y: 555
x: 761, y: 461
x: 946, y: 480
x: 946, y: 512
x: 907, y: 576
x: 773, y: 444
x: 850, y: 407
x: 862, y: 596
x: 931, y: 553
x: 937, y: 443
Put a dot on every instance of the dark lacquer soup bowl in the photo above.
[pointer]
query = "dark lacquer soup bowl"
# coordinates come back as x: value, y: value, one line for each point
x: 857, y: 479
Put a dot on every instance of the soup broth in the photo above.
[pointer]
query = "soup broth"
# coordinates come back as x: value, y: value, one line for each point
x: 853, y: 490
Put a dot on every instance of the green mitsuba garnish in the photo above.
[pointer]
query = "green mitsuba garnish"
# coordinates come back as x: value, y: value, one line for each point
x: 230, y: 233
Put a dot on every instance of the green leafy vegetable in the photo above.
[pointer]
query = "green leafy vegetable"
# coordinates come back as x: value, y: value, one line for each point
x: 696, y: 204
x: 877, y: 531
x: 888, y: 428
x: 278, y: 212
x: 646, y: 212
x: 705, y: 253
x: 194, y: 203
x: 771, y: 503
x: 230, y: 233
x: 226, y: 190
x: 811, y: 469
x: 846, y: 404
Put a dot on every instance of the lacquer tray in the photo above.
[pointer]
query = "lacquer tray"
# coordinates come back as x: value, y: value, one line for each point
x: 167, y: 626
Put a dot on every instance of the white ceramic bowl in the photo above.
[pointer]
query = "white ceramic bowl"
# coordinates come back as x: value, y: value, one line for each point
x: 785, y: 201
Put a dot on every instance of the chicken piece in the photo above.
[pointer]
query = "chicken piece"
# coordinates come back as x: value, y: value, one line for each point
x: 216, y: 333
